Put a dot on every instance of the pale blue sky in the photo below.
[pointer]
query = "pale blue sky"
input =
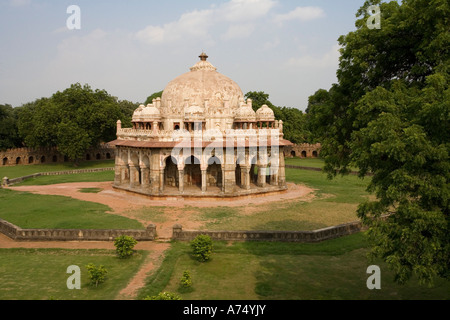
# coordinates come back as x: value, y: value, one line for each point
x: 134, y: 48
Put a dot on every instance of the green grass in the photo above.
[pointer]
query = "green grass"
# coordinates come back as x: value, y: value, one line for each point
x: 334, y: 269
x: 90, y: 190
x: 305, y: 162
x: 335, y: 203
x: 40, y: 274
x: 69, y: 178
x: 31, y: 211
x: 21, y: 171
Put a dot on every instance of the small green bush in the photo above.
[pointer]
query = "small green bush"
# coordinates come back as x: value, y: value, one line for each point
x: 96, y: 274
x: 164, y: 296
x: 124, y: 246
x: 202, y: 247
x: 186, y: 280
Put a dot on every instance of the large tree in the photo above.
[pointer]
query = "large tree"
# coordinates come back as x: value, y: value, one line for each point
x: 73, y: 120
x: 9, y: 137
x: 389, y: 115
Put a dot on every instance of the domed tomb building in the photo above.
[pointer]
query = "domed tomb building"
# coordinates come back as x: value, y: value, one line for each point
x: 201, y: 139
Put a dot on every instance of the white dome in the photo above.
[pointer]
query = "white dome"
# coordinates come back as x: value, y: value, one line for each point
x: 265, y: 114
x: 146, y: 114
x: 245, y: 113
x: 202, y: 83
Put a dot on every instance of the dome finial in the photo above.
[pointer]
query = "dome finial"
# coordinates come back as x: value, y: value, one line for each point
x: 203, y: 56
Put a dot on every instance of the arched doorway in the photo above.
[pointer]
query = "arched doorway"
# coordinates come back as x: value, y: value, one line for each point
x: 192, y: 172
x: 18, y: 160
x: 43, y: 159
x: 55, y: 159
x: 293, y: 154
x: 171, y: 177
x: 5, y: 161
x: 30, y: 160
x: 214, y: 173
x: 315, y: 154
x: 304, y: 154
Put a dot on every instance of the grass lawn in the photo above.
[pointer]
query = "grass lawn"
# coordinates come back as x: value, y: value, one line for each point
x: 69, y: 178
x: 40, y: 274
x: 21, y: 171
x: 334, y: 269
x: 30, y: 211
x: 305, y: 162
x: 335, y: 203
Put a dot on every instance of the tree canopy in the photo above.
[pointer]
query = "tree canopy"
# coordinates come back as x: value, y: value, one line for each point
x: 73, y: 120
x: 389, y: 115
x: 9, y: 137
x: 294, y: 120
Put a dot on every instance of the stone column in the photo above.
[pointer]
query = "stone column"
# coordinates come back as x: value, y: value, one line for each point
x: 161, y: 180
x: 247, y: 178
x: 229, y: 178
x: 118, y: 174
x: 124, y: 174
x: 274, y: 176
x: 204, y: 180
x: 145, y: 176
x: 154, y: 180
x: 281, y: 170
x: 262, y: 176
x: 134, y: 176
x: 181, y: 180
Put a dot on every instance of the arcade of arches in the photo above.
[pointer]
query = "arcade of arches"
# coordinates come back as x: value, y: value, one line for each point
x: 156, y: 172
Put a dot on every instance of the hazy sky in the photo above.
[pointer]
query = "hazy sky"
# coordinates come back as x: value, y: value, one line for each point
x: 133, y: 48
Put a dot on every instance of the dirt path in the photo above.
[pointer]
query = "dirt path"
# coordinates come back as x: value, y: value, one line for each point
x: 152, y: 262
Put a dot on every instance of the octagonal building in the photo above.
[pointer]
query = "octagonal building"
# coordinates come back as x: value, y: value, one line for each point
x: 201, y: 139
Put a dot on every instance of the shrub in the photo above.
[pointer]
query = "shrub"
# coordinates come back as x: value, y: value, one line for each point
x: 96, y: 274
x: 124, y: 246
x: 186, y: 280
x: 202, y: 247
x: 164, y: 296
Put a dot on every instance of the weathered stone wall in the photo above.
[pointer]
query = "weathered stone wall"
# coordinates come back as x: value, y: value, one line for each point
x: 30, y: 156
x: 20, y: 234
x: 303, y: 150
x: 281, y: 236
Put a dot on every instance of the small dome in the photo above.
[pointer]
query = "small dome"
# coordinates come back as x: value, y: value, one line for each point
x: 146, y: 114
x: 245, y: 113
x: 265, y: 114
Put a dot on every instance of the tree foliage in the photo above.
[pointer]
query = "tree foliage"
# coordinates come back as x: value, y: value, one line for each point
x: 294, y: 120
x: 73, y: 120
x: 202, y: 247
x: 389, y: 115
x: 9, y: 137
x: 97, y: 274
x: 153, y: 96
x: 124, y: 246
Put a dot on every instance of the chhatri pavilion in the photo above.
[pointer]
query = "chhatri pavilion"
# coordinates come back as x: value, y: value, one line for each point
x: 201, y: 139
